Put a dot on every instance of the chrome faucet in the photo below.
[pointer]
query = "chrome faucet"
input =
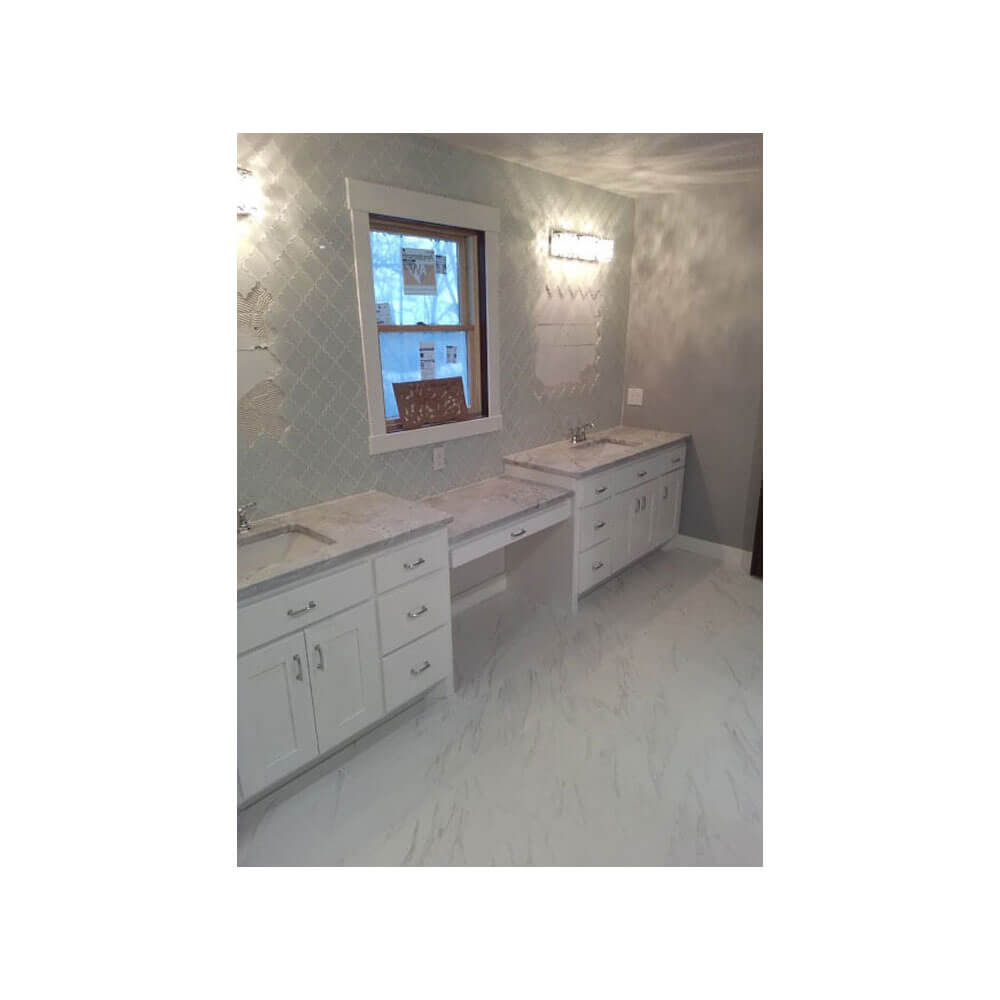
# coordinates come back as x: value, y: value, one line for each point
x: 578, y: 434
x: 242, y: 521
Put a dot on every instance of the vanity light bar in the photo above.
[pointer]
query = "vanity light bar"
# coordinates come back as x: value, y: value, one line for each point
x: 579, y: 246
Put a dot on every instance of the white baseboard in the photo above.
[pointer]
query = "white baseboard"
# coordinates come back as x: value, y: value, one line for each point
x: 728, y: 555
x: 476, y: 595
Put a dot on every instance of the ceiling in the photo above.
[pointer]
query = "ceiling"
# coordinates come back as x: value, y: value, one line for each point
x: 632, y: 164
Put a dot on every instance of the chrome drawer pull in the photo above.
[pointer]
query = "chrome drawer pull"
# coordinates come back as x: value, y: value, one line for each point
x: 666, y: 491
x: 596, y: 565
x: 640, y: 474
x: 601, y: 490
x: 414, y: 565
x: 420, y: 670
x: 600, y: 524
x: 320, y: 665
x: 674, y: 461
x: 298, y: 663
x: 518, y: 533
x: 416, y: 614
x: 301, y: 611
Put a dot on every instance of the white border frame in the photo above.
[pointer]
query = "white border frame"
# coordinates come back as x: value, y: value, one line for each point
x: 364, y: 198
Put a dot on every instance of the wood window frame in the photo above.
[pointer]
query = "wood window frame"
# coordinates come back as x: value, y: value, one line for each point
x: 365, y: 199
x: 470, y: 249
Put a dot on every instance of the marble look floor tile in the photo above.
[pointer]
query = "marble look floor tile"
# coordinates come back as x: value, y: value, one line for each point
x: 627, y: 735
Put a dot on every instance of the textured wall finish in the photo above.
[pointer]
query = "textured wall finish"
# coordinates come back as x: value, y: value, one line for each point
x: 695, y: 347
x: 629, y: 163
x: 259, y: 398
x: 299, y: 250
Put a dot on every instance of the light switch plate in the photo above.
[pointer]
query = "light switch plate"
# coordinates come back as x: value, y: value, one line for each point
x: 439, y: 457
x: 635, y: 397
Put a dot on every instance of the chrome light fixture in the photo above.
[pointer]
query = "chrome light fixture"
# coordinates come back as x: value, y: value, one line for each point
x: 579, y: 246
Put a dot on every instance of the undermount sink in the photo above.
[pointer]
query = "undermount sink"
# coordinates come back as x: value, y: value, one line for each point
x: 592, y: 442
x: 289, y: 542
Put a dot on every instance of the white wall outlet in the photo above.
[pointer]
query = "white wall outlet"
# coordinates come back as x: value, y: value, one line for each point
x: 439, y: 457
x: 635, y: 397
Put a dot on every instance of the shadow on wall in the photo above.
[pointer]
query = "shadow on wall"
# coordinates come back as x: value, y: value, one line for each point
x: 695, y: 347
x: 696, y: 497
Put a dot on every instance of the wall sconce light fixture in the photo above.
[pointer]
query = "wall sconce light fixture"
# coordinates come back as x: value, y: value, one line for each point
x: 577, y: 246
x: 246, y: 193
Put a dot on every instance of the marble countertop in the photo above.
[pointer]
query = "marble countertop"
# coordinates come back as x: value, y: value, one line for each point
x: 603, y: 450
x: 357, y: 525
x: 492, y: 503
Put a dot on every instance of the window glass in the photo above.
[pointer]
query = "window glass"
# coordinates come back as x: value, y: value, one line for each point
x: 387, y: 270
x: 401, y: 361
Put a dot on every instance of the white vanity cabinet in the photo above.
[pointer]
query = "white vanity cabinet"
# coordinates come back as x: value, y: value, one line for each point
x: 621, y: 512
x: 317, y: 666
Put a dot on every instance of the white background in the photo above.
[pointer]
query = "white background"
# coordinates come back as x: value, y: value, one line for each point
x: 880, y: 448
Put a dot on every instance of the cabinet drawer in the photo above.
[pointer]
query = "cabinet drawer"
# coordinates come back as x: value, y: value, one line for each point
x: 529, y: 525
x: 309, y: 602
x: 414, y: 668
x: 411, y: 562
x: 641, y: 471
x: 676, y: 457
x: 594, y: 489
x: 595, y: 524
x: 413, y: 610
x: 595, y: 566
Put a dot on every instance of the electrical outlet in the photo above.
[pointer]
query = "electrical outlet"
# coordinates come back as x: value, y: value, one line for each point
x: 635, y: 397
x: 439, y: 457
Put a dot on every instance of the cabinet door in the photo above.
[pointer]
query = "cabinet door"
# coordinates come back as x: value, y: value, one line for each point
x: 633, y: 526
x: 640, y: 533
x: 668, y: 506
x: 346, y: 674
x: 275, y: 729
x: 668, y: 499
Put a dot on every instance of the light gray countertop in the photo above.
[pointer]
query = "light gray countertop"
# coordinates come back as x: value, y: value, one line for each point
x: 603, y: 450
x: 358, y: 526
x: 492, y: 503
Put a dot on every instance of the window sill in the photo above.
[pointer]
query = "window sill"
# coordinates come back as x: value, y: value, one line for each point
x: 379, y: 444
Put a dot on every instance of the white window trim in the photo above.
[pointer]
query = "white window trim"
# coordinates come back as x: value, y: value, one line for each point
x: 364, y: 199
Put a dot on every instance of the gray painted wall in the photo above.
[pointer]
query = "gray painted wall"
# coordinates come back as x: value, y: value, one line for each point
x: 299, y: 251
x: 695, y: 347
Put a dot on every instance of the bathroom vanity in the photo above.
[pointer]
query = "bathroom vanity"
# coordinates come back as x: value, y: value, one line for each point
x: 344, y: 614
x: 626, y: 484
x: 343, y: 618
